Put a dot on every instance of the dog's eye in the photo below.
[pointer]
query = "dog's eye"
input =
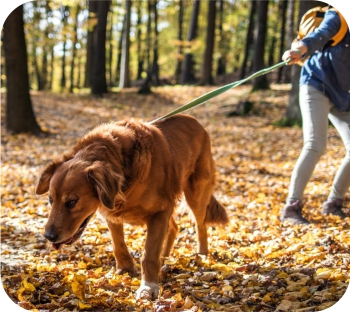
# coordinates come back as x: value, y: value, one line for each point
x: 50, y: 200
x: 70, y: 204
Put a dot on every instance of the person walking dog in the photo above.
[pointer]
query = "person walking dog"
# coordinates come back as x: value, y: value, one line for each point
x: 324, y: 94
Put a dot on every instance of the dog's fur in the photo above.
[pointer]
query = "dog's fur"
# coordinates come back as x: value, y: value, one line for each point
x: 134, y: 172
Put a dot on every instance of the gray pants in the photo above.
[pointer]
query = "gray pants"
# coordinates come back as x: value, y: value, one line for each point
x: 316, y: 108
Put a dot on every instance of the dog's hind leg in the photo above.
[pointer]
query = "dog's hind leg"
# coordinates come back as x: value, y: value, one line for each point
x: 124, y: 261
x: 198, y: 192
x: 171, y: 235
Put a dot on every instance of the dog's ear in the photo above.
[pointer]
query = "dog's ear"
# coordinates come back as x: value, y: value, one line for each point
x: 44, y: 181
x: 45, y: 178
x: 105, y: 182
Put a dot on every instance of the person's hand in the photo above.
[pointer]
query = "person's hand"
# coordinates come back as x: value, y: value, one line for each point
x: 296, y: 53
x: 293, y: 56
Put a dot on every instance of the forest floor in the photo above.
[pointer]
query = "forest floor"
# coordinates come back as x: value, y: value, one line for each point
x: 255, y: 263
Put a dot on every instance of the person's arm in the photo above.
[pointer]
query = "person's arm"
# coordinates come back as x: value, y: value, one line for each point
x: 314, y: 41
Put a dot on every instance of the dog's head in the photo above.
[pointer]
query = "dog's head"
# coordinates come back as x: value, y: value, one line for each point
x: 76, y: 189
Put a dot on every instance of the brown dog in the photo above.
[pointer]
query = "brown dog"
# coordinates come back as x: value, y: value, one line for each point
x: 134, y: 172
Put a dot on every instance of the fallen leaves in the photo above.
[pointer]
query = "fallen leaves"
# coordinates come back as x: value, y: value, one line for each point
x: 255, y: 264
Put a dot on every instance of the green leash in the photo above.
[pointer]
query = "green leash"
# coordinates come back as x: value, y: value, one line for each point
x: 203, y: 98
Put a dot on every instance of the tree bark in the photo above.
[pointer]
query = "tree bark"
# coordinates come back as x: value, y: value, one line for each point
x: 74, y: 48
x: 180, y: 45
x: 19, y: 112
x: 260, y: 82
x: 99, y: 82
x: 207, y: 77
x: 90, y: 43
x: 187, y: 74
x: 125, y: 60
x: 221, y: 69
x: 282, y: 9
x: 249, y: 38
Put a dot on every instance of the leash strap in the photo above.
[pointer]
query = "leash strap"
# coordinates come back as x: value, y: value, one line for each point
x: 203, y: 98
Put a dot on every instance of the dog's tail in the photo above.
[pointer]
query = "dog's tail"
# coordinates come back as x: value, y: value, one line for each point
x: 216, y: 213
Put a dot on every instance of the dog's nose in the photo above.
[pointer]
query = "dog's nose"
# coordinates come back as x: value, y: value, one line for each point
x: 51, y: 235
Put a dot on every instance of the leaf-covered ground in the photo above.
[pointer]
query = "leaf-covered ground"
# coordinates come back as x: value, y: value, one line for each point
x: 255, y: 263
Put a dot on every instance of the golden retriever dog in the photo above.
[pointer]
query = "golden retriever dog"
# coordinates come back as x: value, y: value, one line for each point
x: 134, y: 172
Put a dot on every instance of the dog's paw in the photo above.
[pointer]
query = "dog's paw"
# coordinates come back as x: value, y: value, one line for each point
x: 147, y: 291
x: 131, y: 271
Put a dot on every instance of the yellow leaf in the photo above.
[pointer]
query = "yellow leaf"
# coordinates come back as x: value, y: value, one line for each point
x: 82, y: 265
x: 266, y: 298
x: 98, y: 270
x: 282, y: 275
x: 28, y: 286
x: 177, y: 297
x: 308, y: 238
x: 83, y: 306
x: 19, y: 294
x: 78, y: 286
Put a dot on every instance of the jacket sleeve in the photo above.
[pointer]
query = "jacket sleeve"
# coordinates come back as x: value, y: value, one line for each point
x: 316, y: 40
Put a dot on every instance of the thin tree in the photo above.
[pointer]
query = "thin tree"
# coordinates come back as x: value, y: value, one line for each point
x: 90, y: 42
x: 290, y: 35
x: 152, y: 72
x: 19, y: 112
x: 125, y: 60
x: 187, y: 73
x: 207, y: 77
x: 282, y: 8
x: 221, y: 68
x: 180, y: 44
x: 249, y: 38
x: 74, y: 48
x: 140, y: 55
x: 99, y: 82
x: 155, y: 65
x: 260, y: 82
x: 64, y: 19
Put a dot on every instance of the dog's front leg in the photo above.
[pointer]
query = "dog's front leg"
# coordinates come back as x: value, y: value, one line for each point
x: 124, y: 261
x: 157, y: 227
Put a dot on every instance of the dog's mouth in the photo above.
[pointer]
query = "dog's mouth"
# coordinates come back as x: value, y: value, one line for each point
x: 77, y: 234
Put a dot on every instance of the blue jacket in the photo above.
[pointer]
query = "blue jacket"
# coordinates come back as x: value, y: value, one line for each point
x: 328, y: 70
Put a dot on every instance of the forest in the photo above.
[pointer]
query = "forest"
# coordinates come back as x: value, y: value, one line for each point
x: 103, y: 46
x: 69, y: 65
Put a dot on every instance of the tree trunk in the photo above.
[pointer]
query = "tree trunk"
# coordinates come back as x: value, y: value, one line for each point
x: 259, y: 46
x: 180, y: 45
x: 19, y: 112
x: 221, y: 69
x: 46, y: 48
x: 207, y: 78
x: 271, y: 58
x: 90, y: 43
x: 125, y: 60
x: 65, y: 12
x: 187, y: 74
x: 249, y: 38
x: 110, y: 51
x: 153, y: 72
x: 99, y: 82
x: 290, y: 35
x: 74, y: 48
x: 140, y: 56
x: 155, y: 65
x: 282, y: 9
x: 52, y: 66
x: 119, y: 55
